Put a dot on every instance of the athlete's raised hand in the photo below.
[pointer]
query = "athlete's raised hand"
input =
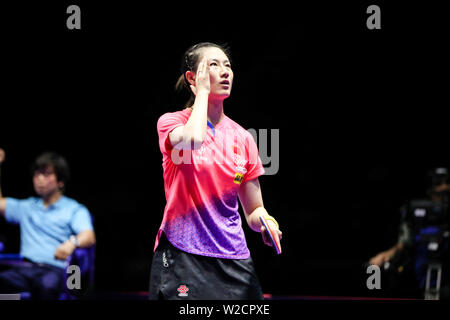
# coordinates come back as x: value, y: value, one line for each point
x: 202, y: 81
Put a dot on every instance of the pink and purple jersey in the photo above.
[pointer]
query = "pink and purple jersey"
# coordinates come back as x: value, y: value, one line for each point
x: 201, y: 187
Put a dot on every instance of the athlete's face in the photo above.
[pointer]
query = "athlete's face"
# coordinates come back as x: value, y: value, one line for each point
x: 220, y: 73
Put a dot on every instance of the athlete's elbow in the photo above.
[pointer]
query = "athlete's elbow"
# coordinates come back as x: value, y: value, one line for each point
x: 194, y: 141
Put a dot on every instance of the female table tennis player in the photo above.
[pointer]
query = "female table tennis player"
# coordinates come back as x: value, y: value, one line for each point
x: 208, y: 162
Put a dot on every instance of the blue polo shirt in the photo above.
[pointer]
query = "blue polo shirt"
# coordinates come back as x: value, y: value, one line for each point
x: 43, y: 230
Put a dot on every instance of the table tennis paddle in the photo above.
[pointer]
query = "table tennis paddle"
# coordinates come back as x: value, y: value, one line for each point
x: 272, y: 235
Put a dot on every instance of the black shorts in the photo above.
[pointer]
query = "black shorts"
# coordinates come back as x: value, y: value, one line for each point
x: 179, y: 275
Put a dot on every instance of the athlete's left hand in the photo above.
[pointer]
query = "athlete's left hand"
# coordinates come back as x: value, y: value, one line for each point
x: 265, y: 235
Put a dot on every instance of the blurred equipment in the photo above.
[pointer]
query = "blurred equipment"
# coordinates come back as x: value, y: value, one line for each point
x: 429, y: 222
x: 431, y: 234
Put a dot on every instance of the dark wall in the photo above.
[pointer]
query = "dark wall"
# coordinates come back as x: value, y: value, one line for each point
x: 360, y: 114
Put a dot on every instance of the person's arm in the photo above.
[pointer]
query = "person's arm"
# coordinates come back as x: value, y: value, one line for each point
x: 252, y: 204
x: 2, y: 200
x: 387, y: 255
x: 404, y: 240
x: 192, y: 134
x: 84, y: 239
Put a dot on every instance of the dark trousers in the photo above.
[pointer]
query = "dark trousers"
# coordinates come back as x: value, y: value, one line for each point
x: 44, y: 282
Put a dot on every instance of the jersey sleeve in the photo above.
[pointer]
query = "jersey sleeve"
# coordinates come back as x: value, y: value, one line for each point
x: 166, y: 123
x: 14, y: 210
x: 81, y: 220
x: 254, y: 165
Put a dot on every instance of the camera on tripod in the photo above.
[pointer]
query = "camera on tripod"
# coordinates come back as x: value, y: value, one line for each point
x: 430, y: 226
x: 429, y: 222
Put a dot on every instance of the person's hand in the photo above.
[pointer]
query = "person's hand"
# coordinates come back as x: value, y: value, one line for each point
x: 202, y: 81
x: 64, y: 250
x: 2, y: 156
x: 265, y: 232
x: 441, y: 188
x: 380, y: 258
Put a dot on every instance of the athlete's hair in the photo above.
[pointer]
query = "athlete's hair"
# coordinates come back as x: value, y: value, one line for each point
x: 55, y: 160
x: 190, y: 61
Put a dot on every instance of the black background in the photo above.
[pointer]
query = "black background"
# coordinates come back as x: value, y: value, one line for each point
x: 361, y: 115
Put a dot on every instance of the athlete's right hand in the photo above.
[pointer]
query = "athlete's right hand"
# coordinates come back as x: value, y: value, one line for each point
x: 2, y: 155
x: 202, y: 81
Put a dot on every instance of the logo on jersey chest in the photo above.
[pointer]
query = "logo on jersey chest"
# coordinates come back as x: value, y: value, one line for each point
x: 239, y: 162
x: 238, y: 177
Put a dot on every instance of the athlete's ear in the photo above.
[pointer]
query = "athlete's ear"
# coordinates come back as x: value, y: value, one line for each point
x: 190, y: 76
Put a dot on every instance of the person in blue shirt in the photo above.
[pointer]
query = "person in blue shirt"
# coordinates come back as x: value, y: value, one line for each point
x: 52, y: 226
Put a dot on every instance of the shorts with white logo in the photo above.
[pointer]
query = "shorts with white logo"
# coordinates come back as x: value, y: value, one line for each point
x: 179, y: 275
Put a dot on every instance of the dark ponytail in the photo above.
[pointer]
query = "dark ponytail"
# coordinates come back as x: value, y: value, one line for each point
x: 189, y: 62
x: 180, y: 83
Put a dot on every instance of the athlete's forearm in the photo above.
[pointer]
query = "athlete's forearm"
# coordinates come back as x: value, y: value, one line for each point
x: 195, y: 127
x: 253, y: 218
